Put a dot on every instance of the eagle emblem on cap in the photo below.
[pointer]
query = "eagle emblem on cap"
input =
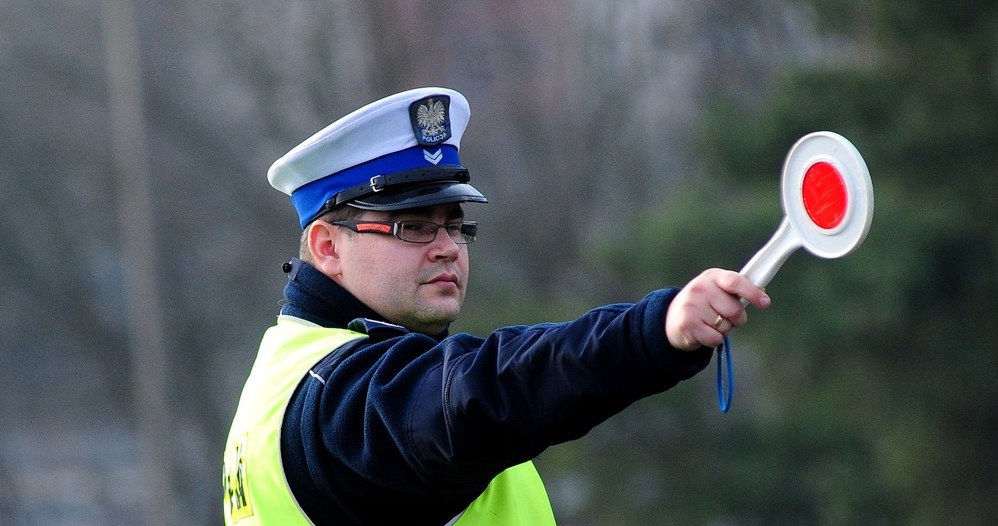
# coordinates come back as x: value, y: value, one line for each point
x: 430, y: 121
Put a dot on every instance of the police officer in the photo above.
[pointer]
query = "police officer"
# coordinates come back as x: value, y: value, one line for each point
x: 361, y: 408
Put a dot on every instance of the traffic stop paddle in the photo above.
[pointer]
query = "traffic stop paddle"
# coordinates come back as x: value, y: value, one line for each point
x: 828, y: 207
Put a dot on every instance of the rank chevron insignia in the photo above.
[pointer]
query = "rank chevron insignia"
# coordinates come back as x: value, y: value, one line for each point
x: 434, y: 157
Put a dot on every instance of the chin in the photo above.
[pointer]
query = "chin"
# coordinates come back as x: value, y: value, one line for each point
x: 445, y: 321
x: 436, y: 320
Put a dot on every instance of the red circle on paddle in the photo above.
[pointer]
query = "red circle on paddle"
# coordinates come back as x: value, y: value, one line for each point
x: 825, y: 195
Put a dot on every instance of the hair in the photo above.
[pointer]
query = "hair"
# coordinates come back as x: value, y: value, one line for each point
x: 339, y: 213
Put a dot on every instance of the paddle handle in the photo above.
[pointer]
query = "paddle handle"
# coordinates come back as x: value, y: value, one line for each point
x: 768, y: 260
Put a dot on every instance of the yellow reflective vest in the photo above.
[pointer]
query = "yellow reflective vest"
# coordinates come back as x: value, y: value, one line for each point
x: 255, y: 490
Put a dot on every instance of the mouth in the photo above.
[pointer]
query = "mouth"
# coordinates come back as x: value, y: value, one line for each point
x: 445, y: 280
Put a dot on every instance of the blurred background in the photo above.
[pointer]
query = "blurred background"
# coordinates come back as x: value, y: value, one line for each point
x: 624, y: 146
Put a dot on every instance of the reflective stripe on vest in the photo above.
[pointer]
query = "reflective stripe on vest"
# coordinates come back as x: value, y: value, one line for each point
x: 255, y: 489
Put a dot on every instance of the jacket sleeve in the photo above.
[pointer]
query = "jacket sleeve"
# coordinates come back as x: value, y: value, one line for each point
x: 508, y: 397
x: 409, y: 415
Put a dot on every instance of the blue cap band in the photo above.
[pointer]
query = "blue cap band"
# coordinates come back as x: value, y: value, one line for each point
x: 309, y: 199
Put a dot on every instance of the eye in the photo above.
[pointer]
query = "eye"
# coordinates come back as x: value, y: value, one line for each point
x: 417, y: 227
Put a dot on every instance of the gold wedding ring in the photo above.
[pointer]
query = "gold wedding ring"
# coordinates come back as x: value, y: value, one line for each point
x: 718, y: 322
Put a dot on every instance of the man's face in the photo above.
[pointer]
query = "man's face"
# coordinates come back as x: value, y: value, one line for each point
x: 418, y: 286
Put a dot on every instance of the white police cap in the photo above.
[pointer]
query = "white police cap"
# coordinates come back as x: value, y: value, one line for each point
x: 395, y: 153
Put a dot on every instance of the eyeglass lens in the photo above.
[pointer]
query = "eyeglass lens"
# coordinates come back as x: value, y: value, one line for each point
x: 426, y: 231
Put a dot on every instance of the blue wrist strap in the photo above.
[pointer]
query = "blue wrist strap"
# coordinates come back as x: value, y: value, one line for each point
x: 724, y: 355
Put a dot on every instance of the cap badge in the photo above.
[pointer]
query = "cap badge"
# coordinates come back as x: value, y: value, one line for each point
x: 430, y: 120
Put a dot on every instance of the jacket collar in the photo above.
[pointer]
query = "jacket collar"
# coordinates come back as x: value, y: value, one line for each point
x: 311, y: 295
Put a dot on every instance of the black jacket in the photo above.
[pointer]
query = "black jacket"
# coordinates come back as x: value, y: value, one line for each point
x: 404, y: 428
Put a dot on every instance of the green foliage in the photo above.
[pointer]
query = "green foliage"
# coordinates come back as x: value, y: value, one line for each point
x: 871, y: 394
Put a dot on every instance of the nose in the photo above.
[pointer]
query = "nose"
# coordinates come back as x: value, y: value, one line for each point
x: 443, y: 247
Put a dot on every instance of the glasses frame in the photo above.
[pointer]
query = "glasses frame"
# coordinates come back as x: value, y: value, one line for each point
x: 465, y: 230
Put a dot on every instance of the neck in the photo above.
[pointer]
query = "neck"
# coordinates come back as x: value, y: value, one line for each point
x: 311, y: 295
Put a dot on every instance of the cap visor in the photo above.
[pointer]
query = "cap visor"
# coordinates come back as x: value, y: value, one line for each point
x: 419, y: 196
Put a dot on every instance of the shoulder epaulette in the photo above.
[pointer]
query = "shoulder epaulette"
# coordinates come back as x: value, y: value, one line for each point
x: 378, y: 330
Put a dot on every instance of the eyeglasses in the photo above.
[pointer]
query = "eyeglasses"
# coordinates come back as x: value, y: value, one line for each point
x: 461, y: 232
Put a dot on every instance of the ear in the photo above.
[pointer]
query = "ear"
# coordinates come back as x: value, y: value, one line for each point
x: 324, y: 243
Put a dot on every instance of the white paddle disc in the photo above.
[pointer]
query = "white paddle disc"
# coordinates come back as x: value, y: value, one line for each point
x: 827, y: 199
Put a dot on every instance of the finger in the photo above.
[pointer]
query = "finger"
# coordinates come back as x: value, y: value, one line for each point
x: 722, y: 325
x: 702, y: 334
x: 686, y: 341
x: 739, y: 286
x: 710, y: 338
x: 729, y: 308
